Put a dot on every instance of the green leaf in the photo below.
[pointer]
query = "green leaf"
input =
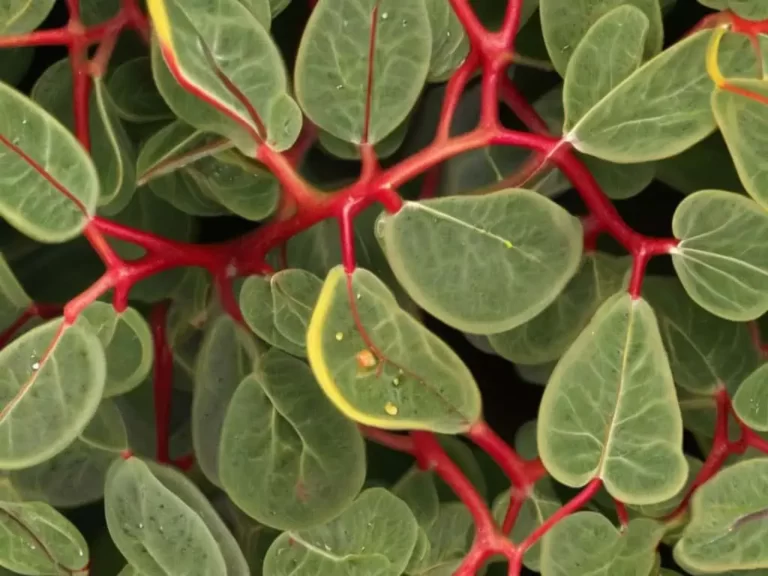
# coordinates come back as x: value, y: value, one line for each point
x: 127, y: 342
x: 721, y: 258
x: 13, y: 300
x: 134, y: 92
x: 157, y: 531
x: 252, y: 91
x: 727, y: 528
x: 534, y: 243
x: 15, y: 64
x: 50, y: 198
x: 94, y: 12
x: 450, y: 45
x: 190, y: 494
x: 450, y: 538
x: 76, y: 476
x: 382, y: 368
x: 111, y: 149
x: 662, y: 108
x: 20, y: 16
x: 705, y: 351
x: 278, y: 309
x: 749, y: 9
x: 565, y: 23
x: 261, y: 9
x: 548, y: 335
x: 375, y: 535
x: 36, y: 539
x: 749, y: 401
x: 661, y: 509
x: 707, y: 164
x: 742, y: 119
x: 362, y: 64
x: 417, y: 489
x: 610, y: 408
x: 227, y: 355
x: 620, y: 33
x: 279, y: 421
x: 586, y: 543
x: 252, y: 193
x: 52, y: 381
x: 277, y: 6
x: 254, y: 538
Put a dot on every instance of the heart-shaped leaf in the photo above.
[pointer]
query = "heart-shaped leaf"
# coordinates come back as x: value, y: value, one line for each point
x: 722, y: 257
x: 134, y: 92
x: 450, y: 44
x: 534, y: 243
x: 382, y: 368
x: 610, y: 408
x: 280, y: 421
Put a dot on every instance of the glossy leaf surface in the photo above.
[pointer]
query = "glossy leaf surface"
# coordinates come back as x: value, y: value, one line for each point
x: 379, y: 366
x: 438, y: 250
x: 382, y: 50
x: 610, y: 408
x: 288, y: 458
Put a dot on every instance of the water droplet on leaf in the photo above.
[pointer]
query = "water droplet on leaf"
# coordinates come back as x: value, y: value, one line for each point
x: 366, y: 359
x: 339, y: 336
x: 384, y: 15
x: 391, y: 409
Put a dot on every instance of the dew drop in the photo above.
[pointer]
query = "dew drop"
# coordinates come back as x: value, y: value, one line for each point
x: 391, y: 409
x: 396, y: 381
x: 16, y: 141
x: 35, y: 364
x: 358, y: 296
x: 345, y: 23
x: 448, y: 34
x: 405, y: 23
x: 141, y: 525
x: 327, y: 548
x: 339, y: 86
x: 339, y: 336
x: 507, y: 243
x: 384, y: 15
x: 32, y: 547
x: 24, y: 121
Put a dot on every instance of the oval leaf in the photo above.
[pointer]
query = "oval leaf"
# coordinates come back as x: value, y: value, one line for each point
x: 279, y: 421
x: 227, y: 355
x: 127, y: 342
x: 565, y: 23
x: 249, y: 90
x: 382, y: 368
x: 375, y: 535
x: 54, y: 374
x: 362, y: 64
x: 279, y: 308
x: 722, y: 257
x: 535, y: 246
x: 450, y: 45
x: 751, y: 400
x: 727, y: 525
x: 610, y: 408
x: 156, y: 530
x: 49, y: 197
x: 36, y: 539
x: 662, y: 108
x: 135, y: 94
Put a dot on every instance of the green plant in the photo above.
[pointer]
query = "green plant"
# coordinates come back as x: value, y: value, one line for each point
x: 273, y: 403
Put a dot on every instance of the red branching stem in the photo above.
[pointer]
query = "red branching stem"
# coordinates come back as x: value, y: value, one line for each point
x: 511, y: 23
x: 516, y: 500
x: 476, y: 33
x: 513, y: 466
x: 55, y: 37
x: 397, y: 442
x: 453, y: 91
x: 162, y: 377
x: 621, y: 512
x: 574, y: 505
x: 431, y: 184
x: 511, y: 96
